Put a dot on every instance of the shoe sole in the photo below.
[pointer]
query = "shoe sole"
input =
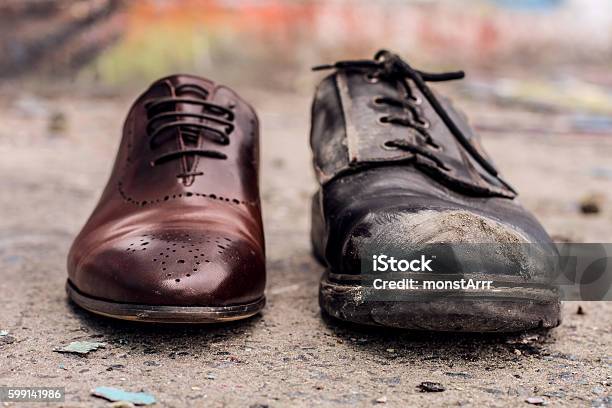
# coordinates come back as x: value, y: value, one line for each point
x: 511, y: 308
x: 164, y: 314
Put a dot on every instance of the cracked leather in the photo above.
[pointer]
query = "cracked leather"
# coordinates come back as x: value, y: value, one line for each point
x: 360, y: 136
x: 185, y: 232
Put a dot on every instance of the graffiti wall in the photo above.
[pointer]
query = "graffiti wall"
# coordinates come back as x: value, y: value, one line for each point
x: 117, y: 41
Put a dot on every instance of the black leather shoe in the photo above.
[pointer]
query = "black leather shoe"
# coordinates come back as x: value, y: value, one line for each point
x: 403, y: 175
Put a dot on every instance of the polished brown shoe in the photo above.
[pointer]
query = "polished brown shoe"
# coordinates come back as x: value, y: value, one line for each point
x: 177, y: 235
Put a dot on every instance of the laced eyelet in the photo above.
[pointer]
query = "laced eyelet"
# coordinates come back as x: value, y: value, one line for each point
x: 388, y: 146
x: 371, y: 78
x: 377, y: 101
x: 436, y: 147
x: 415, y: 99
x: 383, y: 120
x: 423, y: 123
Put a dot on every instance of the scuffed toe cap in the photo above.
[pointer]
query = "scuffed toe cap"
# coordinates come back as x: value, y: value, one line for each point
x: 459, y: 241
x: 173, y: 268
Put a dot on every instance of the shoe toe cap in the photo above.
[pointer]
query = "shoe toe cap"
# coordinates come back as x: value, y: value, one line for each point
x: 461, y: 242
x: 173, y: 267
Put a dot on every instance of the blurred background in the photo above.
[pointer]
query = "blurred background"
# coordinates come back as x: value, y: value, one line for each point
x: 538, y: 91
x: 271, y: 43
x: 550, y: 54
x: 538, y: 86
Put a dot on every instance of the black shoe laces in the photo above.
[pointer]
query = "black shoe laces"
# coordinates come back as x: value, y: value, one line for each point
x: 214, y: 122
x: 389, y: 66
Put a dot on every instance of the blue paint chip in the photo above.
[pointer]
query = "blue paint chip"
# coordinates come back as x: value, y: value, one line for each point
x: 115, y: 394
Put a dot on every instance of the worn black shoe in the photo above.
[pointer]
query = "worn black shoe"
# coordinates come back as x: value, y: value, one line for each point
x: 402, y: 175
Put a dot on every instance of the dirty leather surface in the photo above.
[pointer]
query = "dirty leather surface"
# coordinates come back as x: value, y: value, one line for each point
x: 371, y: 196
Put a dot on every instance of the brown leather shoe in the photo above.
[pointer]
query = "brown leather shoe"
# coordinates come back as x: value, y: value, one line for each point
x: 177, y: 235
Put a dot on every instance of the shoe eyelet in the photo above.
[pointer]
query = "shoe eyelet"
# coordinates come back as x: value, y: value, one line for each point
x: 231, y: 105
x: 388, y: 146
x: 383, y: 121
x: 436, y: 147
x: 377, y: 101
x: 371, y: 78
x: 415, y: 99
x: 423, y: 123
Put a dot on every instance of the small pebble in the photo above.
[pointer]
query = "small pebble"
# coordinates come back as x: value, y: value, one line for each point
x: 428, y: 386
x: 381, y: 400
x: 536, y: 401
x: 58, y: 123
x: 591, y: 204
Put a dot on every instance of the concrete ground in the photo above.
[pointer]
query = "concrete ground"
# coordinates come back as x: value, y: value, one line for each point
x: 55, y: 157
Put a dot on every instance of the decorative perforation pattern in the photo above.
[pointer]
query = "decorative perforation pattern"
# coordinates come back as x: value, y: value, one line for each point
x: 179, y: 255
x: 144, y: 203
